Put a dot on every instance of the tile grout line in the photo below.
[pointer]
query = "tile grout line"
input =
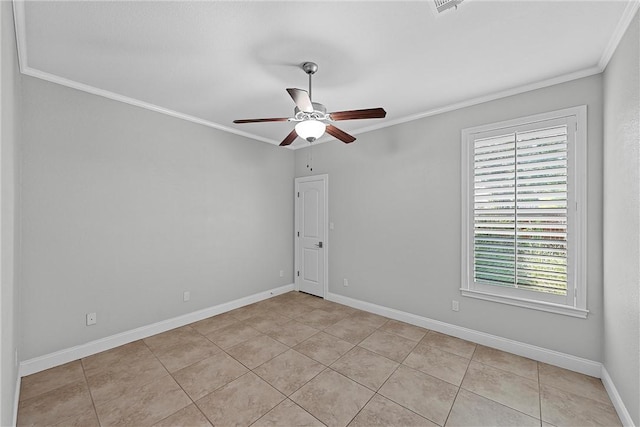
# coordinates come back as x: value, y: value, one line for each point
x: 539, y: 391
x: 86, y: 380
x: 452, y: 403
x: 289, y: 396
x: 176, y: 381
x: 363, y: 406
x: 398, y: 403
x: 493, y: 400
x: 258, y: 375
x: 581, y: 396
x: 507, y: 372
x: 137, y: 386
x: 504, y: 370
x: 500, y: 404
x: 291, y: 347
x: 397, y: 367
x: 21, y: 401
x: 187, y: 366
x: 460, y: 386
x: 358, y: 382
x: 327, y: 367
x: 266, y: 361
x: 471, y: 359
x: 359, y: 342
x: 178, y: 344
x: 369, y: 400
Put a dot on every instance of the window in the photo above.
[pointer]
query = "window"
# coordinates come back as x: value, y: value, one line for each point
x: 523, y: 218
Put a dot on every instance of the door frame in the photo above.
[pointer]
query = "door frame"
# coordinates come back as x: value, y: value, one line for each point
x: 325, y: 241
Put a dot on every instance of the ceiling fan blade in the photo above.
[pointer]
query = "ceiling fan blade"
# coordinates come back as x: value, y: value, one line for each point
x: 274, y: 119
x: 302, y: 100
x: 370, y: 113
x: 289, y: 139
x: 339, y: 134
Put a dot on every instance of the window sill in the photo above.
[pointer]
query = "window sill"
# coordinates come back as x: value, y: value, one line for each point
x: 527, y: 303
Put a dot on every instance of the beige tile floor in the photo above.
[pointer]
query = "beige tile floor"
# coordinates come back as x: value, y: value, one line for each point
x: 297, y: 360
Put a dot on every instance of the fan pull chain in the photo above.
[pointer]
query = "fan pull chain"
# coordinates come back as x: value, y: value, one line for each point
x: 310, y: 158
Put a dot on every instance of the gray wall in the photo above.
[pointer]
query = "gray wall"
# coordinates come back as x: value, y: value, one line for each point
x: 622, y: 219
x: 394, y: 197
x: 10, y: 133
x: 124, y: 209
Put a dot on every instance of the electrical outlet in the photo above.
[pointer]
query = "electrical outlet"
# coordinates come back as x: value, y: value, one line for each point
x: 455, y: 306
x: 331, y: 226
x: 346, y: 282
x: 92, y: 318
x: 281, y: 273
x: 186, y: 296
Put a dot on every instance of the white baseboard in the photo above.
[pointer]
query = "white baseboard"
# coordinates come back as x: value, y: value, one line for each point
x: 61, y: 357
x: 556, y: 358
x: 563, y: 360
x: 16, y: 400
x: 624, y: 415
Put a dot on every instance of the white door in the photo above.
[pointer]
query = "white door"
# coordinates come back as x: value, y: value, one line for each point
x: 311, y: 229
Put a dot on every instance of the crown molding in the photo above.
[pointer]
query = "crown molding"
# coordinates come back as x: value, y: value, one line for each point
x: 623, y: 24
x: 486, y: 98
x: 142, y: 104
x: 21, y: 36
x: 20, y: 28
x: 621, y: 28
x: 23, y: 61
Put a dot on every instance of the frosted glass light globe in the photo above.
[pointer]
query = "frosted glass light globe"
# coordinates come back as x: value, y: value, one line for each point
x: 310, y: 129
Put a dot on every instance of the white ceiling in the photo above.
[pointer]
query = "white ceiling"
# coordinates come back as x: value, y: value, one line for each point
x: 213, y: 62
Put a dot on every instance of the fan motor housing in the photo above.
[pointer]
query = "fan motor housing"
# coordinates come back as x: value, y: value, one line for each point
x: 319, y: 112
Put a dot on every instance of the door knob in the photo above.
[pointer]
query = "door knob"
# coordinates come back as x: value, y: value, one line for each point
x: 319, y: 245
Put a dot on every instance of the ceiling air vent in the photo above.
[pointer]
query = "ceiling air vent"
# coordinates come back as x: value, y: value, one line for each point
x: 443, y: 5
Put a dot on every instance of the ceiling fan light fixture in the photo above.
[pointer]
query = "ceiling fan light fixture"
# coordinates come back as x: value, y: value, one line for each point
x: 310, y: 129
x: 311, y: 116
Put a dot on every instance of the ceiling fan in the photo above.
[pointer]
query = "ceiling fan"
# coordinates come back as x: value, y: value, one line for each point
x: 312, y: 117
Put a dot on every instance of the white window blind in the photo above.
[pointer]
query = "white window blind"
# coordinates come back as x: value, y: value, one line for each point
x: 523, y: 225
x: 520, y: 210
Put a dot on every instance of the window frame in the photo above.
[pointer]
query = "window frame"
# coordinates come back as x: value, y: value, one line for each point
x: 575, y: 302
